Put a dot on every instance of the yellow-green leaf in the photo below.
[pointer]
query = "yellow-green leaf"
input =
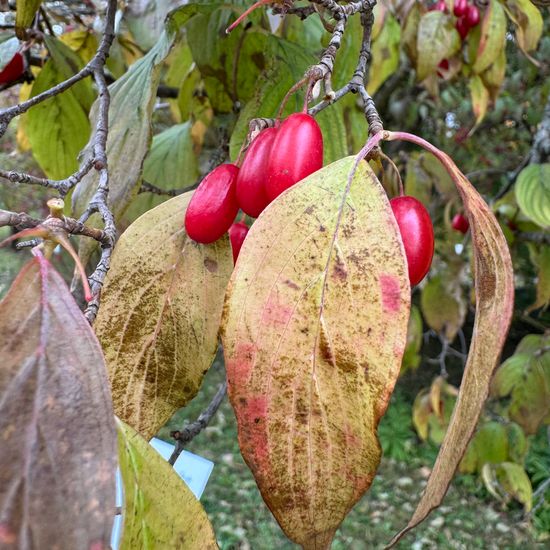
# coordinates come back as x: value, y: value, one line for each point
x: 437, y: 40
x: 529, y: 23
x: 443, y: 306
x: 508, y: 480
x: 492, y: 38
x: 81, y: 41
x: 493, y: 77
x: 480, y: 97
x: 533, y: 193
x: 308, y: 381
x: 61, y: 116
x: 385, y: 54
x: 24, y: 15
x: 541, y: 259
x: 160, y: 313
x: 159, y: 509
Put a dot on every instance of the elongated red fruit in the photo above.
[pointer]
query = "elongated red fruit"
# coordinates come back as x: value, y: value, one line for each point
x: 472, y: 17
x: 251, y: 193
x: 460, y: 223
x: 417, y: 233
x: 213, y: 207
x: 13, y: 70
x: 460, y: 8
x: 237, y: 235
x: 297, y: 152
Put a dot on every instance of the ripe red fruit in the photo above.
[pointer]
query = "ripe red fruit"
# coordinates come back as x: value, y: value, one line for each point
x: 13, y: 70
x: 213, y: 206
x: 472, y: 16
x: 460, y: 8
x: 460, y: 223
x: 251, y: 193
x: 417, y: 234
x: 297, y: 152
x: 237, y: 235
x: 443, y: 65
x: 462, y: 27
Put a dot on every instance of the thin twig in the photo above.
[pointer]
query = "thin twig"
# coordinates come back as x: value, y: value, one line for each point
x: 189, y: 432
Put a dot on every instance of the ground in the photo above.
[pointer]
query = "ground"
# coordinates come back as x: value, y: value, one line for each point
x: 468, y: 519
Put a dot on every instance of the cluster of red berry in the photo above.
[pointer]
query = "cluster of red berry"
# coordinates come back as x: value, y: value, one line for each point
x: 467, y: 15
x: 13, y: 70
x: 277, y: 159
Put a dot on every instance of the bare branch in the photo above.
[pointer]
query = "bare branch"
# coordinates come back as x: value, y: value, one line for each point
x: 189, y: 432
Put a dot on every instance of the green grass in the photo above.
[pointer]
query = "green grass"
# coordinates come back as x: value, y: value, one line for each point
x: 467, y: 520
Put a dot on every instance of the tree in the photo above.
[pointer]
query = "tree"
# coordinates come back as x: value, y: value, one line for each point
x: 316, y: 317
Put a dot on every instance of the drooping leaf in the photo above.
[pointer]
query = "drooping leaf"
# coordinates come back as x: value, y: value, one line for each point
x: 492, y: 37
x: 532, y: 190
x: 508, y: 480
x: 411, y: 357
x: 24, y: 15
x: 309, y: 382
x: 159, y: 317
x: 385, y: 54
x: 541, y: 259
x: 58, y: 451
x: 529, y: 24
x: 525, y: 378
x: 81, y: 41
x: 159, y: 509
x: 493, y: 77
x: 67, y: 63
x: 437, y: 40
x: 421, y: 413
x: 480, y: 97
x: 489, y: 446
x: 494, y: 289
x: 132, y: 99
x: 58, y: 128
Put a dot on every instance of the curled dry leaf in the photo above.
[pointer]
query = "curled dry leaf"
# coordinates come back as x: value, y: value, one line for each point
x: 58, y: 450
x: 159, y: 509
x: 160, y: 313
x: 494, y: 287
x: 314, y: 330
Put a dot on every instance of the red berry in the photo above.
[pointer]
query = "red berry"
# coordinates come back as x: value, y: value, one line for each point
x: 472, y: 17
x: 462, y: 27
x: 237, y: 235
x: 443, y: 65
x: 297, y: 152
x: 13, y: 70
x: 460, y: 8
x: 460, y: 223
x: 213, y: 206
x: 417, y: 234
x: 251, y: 193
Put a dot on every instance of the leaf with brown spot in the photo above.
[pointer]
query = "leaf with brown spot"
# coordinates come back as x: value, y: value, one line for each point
x: 160, y: 313
x: 159, y: 509
x: 494, y: 286
x: 314, y: 329
x: 58, y: 450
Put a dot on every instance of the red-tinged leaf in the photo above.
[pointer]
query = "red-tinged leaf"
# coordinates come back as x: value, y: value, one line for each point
x: 494, y: 286
x: 58, y: 450
x: 314, y: 330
